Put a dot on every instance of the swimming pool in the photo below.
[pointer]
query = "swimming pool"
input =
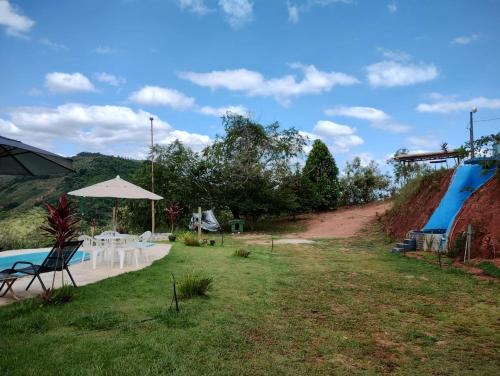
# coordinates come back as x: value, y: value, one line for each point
x: 36, y: 257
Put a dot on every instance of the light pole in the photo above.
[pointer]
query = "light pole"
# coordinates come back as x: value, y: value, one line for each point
x: 471, y: 131
x: 152, y: 180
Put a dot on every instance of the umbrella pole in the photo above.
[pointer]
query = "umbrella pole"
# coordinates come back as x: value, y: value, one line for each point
x: 116, y: 215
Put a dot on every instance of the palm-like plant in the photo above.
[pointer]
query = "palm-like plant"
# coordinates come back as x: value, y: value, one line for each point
x: 62, y: 225
x: 173, y: 211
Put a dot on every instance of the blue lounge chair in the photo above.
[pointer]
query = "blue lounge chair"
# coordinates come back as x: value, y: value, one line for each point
x: 51, y: 263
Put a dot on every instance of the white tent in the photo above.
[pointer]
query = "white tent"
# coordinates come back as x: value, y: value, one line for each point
x: 116, y: 188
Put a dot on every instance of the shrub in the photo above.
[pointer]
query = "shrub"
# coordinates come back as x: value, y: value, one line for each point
x: 490, y: 269
x: 193, y: 285
x: 458, y: 247
x: 190, y: 239
x: 61, y: 295
x: 240, y: 252
x: 172, y: 237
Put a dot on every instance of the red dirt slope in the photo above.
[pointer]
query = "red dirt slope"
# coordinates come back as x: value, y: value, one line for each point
x: 482, y: 210
x: 416, y: 204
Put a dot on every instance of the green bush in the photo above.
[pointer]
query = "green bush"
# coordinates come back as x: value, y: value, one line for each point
x: 240, y: 252
x: 172, y: 237
x: 458, y: 247
x: 490, y: 269
x: 61, y: 295
x: 190, y: 239
x: 193, y: 285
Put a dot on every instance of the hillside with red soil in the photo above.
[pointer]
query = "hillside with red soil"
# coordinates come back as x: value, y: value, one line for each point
x: 416, y: 203
x: 482, y: 210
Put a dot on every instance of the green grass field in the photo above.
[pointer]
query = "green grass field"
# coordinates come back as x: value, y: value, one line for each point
x: 338, y: 307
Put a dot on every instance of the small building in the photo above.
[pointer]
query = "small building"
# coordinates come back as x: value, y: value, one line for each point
x: 236, y: 225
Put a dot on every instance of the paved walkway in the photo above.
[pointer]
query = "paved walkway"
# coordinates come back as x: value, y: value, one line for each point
x: 83, y: 273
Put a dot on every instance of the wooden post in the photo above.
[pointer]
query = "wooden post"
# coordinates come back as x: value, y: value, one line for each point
x: 199, y: 223
x: 152, y: 180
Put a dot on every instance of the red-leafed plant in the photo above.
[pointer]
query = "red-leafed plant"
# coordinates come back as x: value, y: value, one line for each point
x: 62, y: 225
x: 173, y: 211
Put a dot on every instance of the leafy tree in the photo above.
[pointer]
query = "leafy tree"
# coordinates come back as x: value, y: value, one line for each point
x: 247, y: 167
x: 322, y: 172
x: 176, y: 180
x: 403, y: 172
x: 362, y: 184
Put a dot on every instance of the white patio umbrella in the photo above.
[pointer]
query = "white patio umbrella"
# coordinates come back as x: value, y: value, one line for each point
x: 116, y: 188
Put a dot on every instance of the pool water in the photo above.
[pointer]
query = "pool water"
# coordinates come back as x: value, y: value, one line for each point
x: 37, y: 258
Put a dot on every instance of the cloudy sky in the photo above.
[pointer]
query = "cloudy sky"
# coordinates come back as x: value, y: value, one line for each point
x: 366, y: 76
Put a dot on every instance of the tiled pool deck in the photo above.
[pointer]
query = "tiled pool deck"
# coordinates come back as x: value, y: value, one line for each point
x: 82, y: 273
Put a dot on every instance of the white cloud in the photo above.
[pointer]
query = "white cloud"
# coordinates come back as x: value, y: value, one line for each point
x: 391, y: 126
x: 108, y: 129
x: 294, y: 10
x: 392, y: 7
x: 282, y: 88
x: 194, y: 140
x: 55, y: 46
x: 391, y: 73
x: 58, y: 82
x: 159, y: 96
x: 341, y: 138
x: 195, y: 6
x: 365, y: 113
x: 8, y: 128
x: 422, y: 143
x: 465, y: 39
x: 377, y: 118
x: 395, y: 55
x: 110, y: 79
x: 15, y: 23
x: 221, y: 111
x: 447, y: 106
x: 103, y: 50
x: 435, y: 96
x: 237, y: 12
x: 293, y: 13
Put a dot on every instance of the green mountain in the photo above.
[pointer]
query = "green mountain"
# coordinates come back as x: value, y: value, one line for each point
x: 19, y: 194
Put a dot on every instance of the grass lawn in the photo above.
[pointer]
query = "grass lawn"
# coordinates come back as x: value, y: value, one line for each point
x: 337, y: 307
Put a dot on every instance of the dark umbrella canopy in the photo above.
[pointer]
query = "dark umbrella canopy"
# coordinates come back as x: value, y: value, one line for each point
x: 17, y: 158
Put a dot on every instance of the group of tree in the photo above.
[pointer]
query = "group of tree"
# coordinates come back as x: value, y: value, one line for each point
x: 251, y: 171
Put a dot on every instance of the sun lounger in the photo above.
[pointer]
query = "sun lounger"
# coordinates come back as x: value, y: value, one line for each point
x: 51, y: 263
x: 7, y: 280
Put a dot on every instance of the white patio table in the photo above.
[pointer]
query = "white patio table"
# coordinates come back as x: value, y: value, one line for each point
x: 118, y: 243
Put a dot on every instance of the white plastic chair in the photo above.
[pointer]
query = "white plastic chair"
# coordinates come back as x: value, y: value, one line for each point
x: 91, y: 245
x: 142, y: 244
x: 123, y: 248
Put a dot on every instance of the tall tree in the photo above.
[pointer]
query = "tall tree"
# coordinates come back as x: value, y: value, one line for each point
x: 177, y: 179
x: 322, y: 172
x: 247, y: 165
x: 363, y: 183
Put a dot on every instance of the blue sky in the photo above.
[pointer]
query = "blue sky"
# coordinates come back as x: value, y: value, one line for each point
x: 367, y: 77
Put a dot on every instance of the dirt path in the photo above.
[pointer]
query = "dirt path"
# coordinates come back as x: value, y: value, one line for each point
x: 342, y: 223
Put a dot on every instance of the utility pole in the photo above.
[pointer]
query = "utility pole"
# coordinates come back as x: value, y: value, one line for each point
x: 471, y: 131
x: 152, y: 180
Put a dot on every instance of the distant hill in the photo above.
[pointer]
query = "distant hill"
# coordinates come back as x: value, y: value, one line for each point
x: 23, y: 193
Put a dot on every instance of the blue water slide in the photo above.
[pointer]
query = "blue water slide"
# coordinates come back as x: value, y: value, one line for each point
x: 466, y: 179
